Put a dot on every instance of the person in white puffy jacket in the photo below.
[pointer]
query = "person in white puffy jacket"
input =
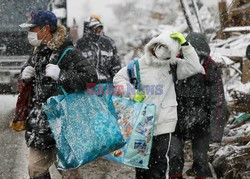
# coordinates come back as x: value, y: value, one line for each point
x: 155, y: 72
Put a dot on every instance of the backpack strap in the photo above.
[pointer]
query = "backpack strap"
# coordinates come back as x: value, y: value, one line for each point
x: 134, y: 76
x: 173, y: 71
x: 63, y: 54
x: 138, y: 74
x: 131, y: 73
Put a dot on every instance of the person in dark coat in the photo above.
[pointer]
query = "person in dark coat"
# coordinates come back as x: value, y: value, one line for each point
x: 201, y: 113
x: 99, y: 49
x: 73, y: 73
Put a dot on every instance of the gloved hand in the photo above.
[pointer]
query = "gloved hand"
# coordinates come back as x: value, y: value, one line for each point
x: 52, y: 71
x: 178, y: 36
x: 139, y: 96
x: 28, y: 73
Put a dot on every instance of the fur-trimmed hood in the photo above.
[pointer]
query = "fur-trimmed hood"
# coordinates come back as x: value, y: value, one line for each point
x: 164, y: 39
x: 58, y: 38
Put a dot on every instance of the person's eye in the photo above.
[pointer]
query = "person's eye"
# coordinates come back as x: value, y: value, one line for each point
x: 165, y: 47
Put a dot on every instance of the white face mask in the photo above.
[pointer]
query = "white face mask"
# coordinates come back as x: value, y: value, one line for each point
x: 32, y: 37
x: 162, y: 53
x: 101, y: 33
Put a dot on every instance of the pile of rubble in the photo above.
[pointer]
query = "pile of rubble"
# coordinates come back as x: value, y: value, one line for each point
x: 231, y: 158
x: 241, y: 101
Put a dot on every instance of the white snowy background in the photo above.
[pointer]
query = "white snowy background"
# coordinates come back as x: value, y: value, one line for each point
x: 128, y: 26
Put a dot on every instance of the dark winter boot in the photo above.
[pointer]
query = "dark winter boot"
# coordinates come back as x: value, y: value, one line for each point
x: 46, y: 176
x: 176, y: 176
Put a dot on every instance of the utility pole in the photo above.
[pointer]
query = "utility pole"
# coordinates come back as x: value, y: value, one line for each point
x: 187, y: 14
x: 196, y: 10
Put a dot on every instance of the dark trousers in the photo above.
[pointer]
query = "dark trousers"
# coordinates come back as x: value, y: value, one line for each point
x: 200, y: 146
x: 158, y: 162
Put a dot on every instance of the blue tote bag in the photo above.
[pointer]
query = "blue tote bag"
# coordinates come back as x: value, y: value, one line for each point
x: 136, y: 122
x: 83, y: 127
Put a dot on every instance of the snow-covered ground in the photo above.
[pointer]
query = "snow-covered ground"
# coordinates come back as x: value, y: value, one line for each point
x: 13, y: 150
x: 7, y: 104
x: 12, y: 146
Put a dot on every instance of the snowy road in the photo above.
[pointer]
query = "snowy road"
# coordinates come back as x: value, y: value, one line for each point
x: 13, y: 150
x: 12, y: 147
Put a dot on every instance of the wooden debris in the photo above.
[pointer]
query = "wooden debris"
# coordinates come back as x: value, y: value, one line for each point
x: 241, y: 102
x: 231, y: 159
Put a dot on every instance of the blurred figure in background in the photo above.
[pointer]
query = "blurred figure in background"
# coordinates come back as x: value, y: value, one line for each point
x: 74, y: 31
x: 99, y: 49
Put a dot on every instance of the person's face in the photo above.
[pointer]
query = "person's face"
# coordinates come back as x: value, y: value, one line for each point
x: 41, y: 31
x: 98, y: 30
x: 162, y: 52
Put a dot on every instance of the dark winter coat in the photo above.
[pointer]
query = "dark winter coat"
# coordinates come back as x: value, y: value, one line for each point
x: 75, y: 72
x: 201, y: 101
x: 101, y: 52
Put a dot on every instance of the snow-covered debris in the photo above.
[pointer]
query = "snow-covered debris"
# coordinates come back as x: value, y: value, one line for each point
x: 240, y: 28
x: 234, y: 46
x: 232, y: 159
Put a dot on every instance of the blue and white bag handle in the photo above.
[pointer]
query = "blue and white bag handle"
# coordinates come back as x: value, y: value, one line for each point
x: 59, y: 61
x: 135, y: 80
x: 63, y: 54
